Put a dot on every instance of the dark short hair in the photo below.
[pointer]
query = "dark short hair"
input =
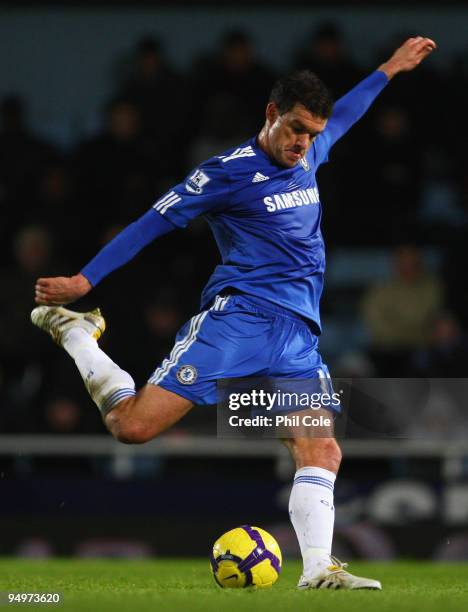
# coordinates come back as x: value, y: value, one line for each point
x: 302, y: 87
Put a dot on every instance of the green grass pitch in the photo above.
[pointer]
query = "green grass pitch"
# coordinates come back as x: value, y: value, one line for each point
x: 186, y: 585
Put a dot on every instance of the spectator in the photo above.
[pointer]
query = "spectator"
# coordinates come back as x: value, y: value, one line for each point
x: 22, y: 158
x: 457, y: 289
x: 57, y: 208
x: 158, y: 94
x: 163, y: 315
x: 392, y: 186
x: 217, y: 134
x: 325, y: 53
x: 399, y: 313
x: 233, y: 71
x: 33, y: 254
x: 117, y: 169
x: 63, y: 415
x: 446, y: 355
x: 23, y: 354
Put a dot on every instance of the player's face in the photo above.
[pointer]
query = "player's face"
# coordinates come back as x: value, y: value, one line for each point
x: 289, y: 136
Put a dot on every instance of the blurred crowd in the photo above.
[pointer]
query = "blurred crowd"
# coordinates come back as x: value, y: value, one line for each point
x: 397, y: 184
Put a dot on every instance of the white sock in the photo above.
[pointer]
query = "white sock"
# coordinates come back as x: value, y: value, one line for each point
x: 313, y: 515
x: 105, y: 381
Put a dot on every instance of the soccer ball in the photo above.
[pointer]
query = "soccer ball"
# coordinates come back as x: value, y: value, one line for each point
x: 246, y: 557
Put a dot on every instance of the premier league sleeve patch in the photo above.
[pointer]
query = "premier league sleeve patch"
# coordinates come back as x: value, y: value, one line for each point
x: 187, y: 374
x: 196, y: 182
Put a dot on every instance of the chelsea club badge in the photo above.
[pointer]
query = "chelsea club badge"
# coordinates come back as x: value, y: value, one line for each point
x: 187, y: 374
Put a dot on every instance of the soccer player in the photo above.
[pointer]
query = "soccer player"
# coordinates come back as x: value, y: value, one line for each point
x: 260, y: 309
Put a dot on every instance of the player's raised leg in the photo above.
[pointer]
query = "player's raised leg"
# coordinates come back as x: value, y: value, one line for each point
x: 312, y: 512
x: 130, y: 416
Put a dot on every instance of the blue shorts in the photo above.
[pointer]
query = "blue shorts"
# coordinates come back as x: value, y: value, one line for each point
x: 239, y: 336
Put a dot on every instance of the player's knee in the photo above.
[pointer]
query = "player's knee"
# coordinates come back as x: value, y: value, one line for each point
x: 127, y: 432
x: 125, y: 427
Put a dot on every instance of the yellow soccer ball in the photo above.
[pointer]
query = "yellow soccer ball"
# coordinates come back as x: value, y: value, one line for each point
x: 246, y: 557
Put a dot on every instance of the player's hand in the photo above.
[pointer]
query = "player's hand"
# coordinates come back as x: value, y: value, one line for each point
x: 408, y: 56
x: 61, y: 289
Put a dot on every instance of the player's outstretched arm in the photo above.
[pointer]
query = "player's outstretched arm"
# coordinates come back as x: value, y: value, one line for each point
x: 352, y: 106
x: 120, y: 250
x: 204, y: 190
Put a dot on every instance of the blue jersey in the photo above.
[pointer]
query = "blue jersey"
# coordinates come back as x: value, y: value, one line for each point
x: 266, y: 222
x: 265, y: 218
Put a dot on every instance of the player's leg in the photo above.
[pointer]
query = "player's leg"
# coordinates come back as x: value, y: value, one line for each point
x: 130, y: 416
x: 317, y: 457
x: 312, y: 512
x: 203, y: 342
x: 311, y: 504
